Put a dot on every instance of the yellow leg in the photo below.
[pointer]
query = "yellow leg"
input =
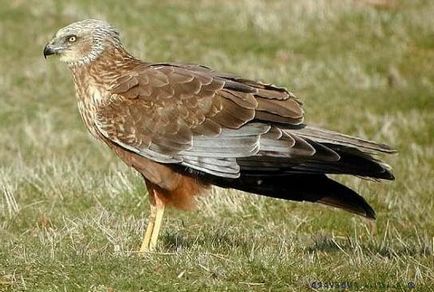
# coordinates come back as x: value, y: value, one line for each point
x: 157, y: 226
x: 148, y: 232
x: 154, y: 224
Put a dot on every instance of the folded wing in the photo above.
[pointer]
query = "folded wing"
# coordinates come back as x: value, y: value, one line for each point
x: 223, y: 125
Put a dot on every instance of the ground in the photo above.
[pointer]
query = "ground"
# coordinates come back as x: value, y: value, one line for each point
x: 72, y: 215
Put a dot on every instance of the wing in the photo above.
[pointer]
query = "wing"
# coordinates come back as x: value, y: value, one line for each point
x: 195, y: 117
x: 221, y: 125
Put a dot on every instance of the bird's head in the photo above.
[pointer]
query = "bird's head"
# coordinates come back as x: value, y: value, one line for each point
x: 82, y: 42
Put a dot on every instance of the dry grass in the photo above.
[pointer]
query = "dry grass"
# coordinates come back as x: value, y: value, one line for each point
x: 72, y: 216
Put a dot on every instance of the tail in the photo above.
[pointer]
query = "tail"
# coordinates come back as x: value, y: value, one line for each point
x: 301, y: 187
x: 298, y: 170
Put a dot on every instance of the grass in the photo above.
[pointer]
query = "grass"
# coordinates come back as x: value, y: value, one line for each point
x: 72, y: 215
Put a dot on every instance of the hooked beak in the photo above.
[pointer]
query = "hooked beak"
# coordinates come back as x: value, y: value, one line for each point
x: 48, y: 50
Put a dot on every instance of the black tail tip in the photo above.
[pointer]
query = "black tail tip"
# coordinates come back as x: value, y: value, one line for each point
x: 387, y: 174
x: 370, y: 213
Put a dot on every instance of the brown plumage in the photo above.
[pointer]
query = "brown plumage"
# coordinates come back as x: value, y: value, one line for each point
x: 186, y: 127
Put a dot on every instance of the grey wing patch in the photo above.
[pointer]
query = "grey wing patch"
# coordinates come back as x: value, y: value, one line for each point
x: 226, y: 147
x: 230, y: 143
x: 217, y: 155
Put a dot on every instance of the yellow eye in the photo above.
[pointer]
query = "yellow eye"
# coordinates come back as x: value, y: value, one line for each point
x: 72, y: 38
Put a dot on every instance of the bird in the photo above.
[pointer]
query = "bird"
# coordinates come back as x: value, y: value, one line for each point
x: 185, y: 128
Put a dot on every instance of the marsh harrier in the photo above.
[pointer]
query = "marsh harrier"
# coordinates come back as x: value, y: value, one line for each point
x: 187, y: 127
